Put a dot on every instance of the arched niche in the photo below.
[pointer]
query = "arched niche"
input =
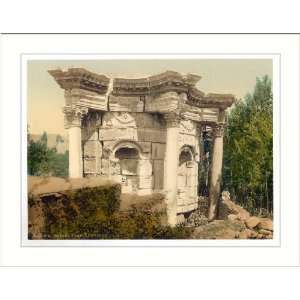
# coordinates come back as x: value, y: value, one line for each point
x: 125, y: 160
x: 128, y: 158
x: 187, y: 179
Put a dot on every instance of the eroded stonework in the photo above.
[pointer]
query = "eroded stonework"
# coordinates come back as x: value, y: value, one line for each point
x: 144, y: 133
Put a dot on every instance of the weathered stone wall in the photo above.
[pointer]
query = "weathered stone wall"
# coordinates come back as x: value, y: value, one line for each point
x: 104, y: 135
x: 189, y: 142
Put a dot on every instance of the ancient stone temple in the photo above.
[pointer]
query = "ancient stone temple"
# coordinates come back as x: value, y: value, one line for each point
x: 145, y: 133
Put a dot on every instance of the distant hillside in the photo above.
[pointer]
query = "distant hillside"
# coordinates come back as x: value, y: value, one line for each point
x: 61, y: 147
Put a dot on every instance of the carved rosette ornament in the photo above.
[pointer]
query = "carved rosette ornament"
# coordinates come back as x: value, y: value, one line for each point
x: 218, y: 130
x: 172, y: 119
x: 74, y: 116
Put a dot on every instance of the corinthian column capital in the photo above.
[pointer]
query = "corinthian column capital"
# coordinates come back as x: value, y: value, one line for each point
x: 172, y: 119
x: 218, y: 130
x: 74, y: 116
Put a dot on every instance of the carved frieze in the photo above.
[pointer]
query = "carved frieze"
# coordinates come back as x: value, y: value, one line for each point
x: 118, y: 120
x: 124, y: 118
x: 188, y: 127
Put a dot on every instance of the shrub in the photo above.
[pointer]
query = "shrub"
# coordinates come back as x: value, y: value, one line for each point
x: 93, y: 213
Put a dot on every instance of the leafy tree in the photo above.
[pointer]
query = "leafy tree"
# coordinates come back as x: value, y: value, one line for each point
x: 45, y: 161
x: 248, y: 149
x: 59, y: 139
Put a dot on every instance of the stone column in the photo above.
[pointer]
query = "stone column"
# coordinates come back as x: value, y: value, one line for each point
x: 216, y: 170
x: 171, y: 166
x: 73, y: 118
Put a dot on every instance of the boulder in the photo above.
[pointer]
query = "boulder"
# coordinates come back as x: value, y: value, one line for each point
x: 247, y: 234
x: 253, y: 234
x: 232, y: 217
x: 252, y: 222
x: 265, y: 232
x: 228, y: 207
x: 266, y: 224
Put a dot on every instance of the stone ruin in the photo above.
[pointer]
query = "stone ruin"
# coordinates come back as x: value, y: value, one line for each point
x: 145, y: 133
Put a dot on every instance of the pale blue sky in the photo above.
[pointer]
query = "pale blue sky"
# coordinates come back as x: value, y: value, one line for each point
x: 46, y: 98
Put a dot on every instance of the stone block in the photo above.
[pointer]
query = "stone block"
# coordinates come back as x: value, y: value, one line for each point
x: 144, y: 167
x: 163, y: 103
x: 89, y: 165
x: 252, y: 222
x: 91, y: 149
x: 110, y: 134
x: 145, y: 146
x: 187, y: 139
x: 181, y: 181
x: 129, y: 103
x: 151, y: 135
x: 145, y: 182
x: 145, y: 120
x: 266, y: 224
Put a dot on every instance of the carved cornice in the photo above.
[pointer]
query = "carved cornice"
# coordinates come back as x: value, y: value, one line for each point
x: 79, y: 78
x: 155, y: 93
x: 199, y: 99
x: 125, y: 87
x: 74, y: 116
x: 161, y: 83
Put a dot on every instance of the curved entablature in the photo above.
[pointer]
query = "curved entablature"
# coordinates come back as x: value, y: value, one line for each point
x: 199, y: 99
x: 80, y: 78
x: 124, y: 86
x: 150, y: 94
x: 164, y: 82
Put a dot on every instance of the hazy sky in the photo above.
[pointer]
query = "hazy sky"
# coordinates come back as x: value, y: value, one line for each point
x: 46, y: 98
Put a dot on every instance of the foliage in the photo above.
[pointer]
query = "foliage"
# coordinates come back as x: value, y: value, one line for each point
x: 93, y: 213
x: 43, y: 161
x: 59, y: 164
x: 248, y: 146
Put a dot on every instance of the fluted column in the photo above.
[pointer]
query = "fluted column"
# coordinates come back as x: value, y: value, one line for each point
x: 171, y: 166
x: 216, y: 170
x: 73, y: 118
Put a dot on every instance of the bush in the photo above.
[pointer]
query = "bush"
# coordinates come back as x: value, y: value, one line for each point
x: 93, y: 213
